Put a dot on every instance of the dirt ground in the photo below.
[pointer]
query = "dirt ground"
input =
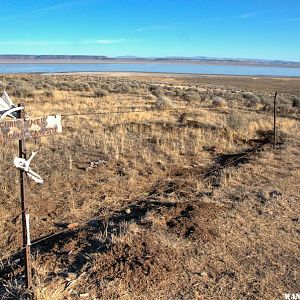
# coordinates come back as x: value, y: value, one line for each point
x: 183, y: 199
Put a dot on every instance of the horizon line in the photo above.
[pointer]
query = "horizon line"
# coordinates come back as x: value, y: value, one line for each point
x: 197, y: 57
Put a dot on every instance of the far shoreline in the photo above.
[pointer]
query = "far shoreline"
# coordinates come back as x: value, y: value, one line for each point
x: 154, y: 74
x: 155, y: 62
x: 160, y: 74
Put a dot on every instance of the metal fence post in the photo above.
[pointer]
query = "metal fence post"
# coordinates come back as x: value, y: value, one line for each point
x: 275, y: 125
x: 25, y: 214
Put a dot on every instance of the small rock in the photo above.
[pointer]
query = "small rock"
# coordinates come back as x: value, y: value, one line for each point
x: 84, y: 295
x: 16, y: 261
x: 71, y: 276
x: 204, y: 274
x: 128, y: 211
x: 73, y: 225
x: 261, y: 197
x: 275, y: 194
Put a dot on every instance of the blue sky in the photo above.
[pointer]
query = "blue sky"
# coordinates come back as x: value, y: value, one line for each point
x: 267, y: 29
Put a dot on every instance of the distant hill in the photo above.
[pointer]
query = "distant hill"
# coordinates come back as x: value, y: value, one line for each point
x: 54, y: 57
x: 19, y: 58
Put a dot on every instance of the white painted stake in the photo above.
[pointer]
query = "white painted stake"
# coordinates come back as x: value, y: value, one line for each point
x: 28, y: 229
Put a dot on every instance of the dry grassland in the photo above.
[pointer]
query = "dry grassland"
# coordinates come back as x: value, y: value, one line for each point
x: 184, y: 199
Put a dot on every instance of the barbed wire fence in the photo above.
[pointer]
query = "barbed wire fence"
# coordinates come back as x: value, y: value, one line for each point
x: 11, y: 174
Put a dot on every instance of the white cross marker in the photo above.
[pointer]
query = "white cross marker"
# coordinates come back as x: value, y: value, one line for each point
x: 23, y: 164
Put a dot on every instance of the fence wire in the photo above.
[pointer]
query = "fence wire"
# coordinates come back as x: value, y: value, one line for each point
x: 179, y: 109
x: 204, y: 176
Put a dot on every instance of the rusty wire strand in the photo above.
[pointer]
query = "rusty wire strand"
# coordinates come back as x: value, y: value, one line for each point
x: 139, y: 111
x: 37, y: 241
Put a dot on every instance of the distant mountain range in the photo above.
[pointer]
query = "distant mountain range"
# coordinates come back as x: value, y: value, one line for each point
x: 133, y: 59
x: 13, y: 57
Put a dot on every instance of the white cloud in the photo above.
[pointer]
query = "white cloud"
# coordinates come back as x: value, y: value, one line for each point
x: 157, y: 27
x: 40, y: 10
x: 57, y: 6
x: 247, y: 16
x: 252, y: 14
x: 109, y: 41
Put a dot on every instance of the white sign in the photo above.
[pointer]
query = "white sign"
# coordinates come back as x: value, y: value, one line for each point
x: 32, y: 128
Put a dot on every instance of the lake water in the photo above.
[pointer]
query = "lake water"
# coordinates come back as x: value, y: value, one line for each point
x: 152, y: 67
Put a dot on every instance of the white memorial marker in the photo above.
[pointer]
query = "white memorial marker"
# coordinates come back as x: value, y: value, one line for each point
x: 23, y: 164
x: 21, y: 129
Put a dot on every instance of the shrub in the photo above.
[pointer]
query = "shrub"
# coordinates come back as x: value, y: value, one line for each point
x: 170, y: 93
x: 106, y: 86
x: 77, y: 86
x: 86, y: 86
x: 235, y: 121
x: 100, y: 93
x: 251, y: 99
x: 155, y: 90
x: 235, y: 95
x: 63, y: 86
x: 150, y: 97
x: 251, y: 104
x: 163, y: 102
x: 295, y: 101
x: 218, y: 102
x: 137, y: 90
x: 123, y: 88
x: 179, y: 93
x: 191, y: 96
x: 23, y: 91
x: 49, y: 94
x: 284, y: 109
x: 47, y: 86
x: 267, y: 102
x: 209, y: 94
x: 182, y: 118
